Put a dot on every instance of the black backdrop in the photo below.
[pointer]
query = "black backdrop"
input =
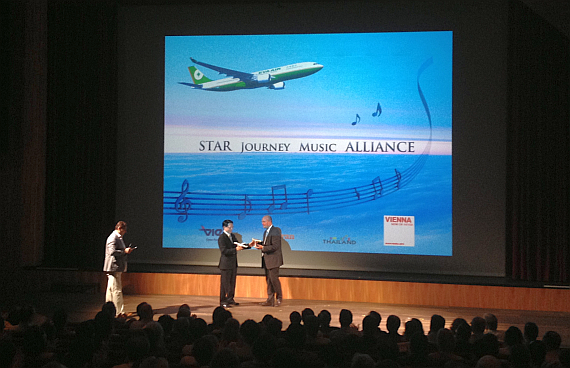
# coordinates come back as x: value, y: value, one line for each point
x: 74, y: 121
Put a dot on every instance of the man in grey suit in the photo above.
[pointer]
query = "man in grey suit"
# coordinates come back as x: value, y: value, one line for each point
x: 271, y: 260
x: 228, y: 264
x: 115, y: 265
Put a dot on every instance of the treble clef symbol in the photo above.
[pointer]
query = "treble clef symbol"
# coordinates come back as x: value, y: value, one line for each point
x: 182, y: 203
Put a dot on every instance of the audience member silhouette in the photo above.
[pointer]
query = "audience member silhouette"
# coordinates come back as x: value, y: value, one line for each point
x: 478, y: 325
x: 437, y: 322
x: 552, y: 341
x: 188, y: 341
x: 530, y: 332
x: 393, y: 323
x: 492, y: 324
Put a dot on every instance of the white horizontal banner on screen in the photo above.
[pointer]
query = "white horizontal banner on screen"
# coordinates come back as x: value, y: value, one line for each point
x: 186, y: 144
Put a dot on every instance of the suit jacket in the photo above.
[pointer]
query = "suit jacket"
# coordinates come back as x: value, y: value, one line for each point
x: 115, y: 256
x: 228, y: 252
x: 272, y: 256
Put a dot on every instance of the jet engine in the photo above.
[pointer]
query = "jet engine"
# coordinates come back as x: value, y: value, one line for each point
x: 279, y: 85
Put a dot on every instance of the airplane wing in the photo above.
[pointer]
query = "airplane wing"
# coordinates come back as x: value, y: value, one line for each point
x: 229, y: 72
x: 191, y: 85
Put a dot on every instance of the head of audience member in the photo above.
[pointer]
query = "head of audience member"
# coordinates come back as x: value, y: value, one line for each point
x: 377, y: 317
x: 462, y: 335
x: 275, y: 327
x: 110, y: 309
x: 360, y: 360
x: 263, y: 349
x: 486, y: 345
x: 312, y: 326
x: 419, y: 345
x: 393, y: 324
x: 552, y: 340
x: 412, y: 326
x: 146, y: 314
x: 230, y: 332
x: 530, y: 332
x: 537, y: 350
x: 437, y: 322
x: 295, y: 318
x: 155, y: 334
x: 369, y: 326
x: 137, y: 347
x: 225, y: 358
x: 296, y: 336
x: 488, y: 361
x: 491, y: 321
x: 513, y: 336
x: 167, y: 322
x: 325, y: 318
x: 184, y: 311
x: 265, y: 320
x: 103, y: 325
x: 456, y: 323
x: 478, y: 325
x: 520, y: 356
x: 445, y: 341
x: 307, y: 312
x: 198, y: 328
x: 139, y: 307
x: 565, y: 358
x: 219, y: 317
x: 249, y: 331
x: 345, y: 318
x: 204, y: 349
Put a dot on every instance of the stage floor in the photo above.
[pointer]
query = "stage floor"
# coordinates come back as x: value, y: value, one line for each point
x: 84, y: 306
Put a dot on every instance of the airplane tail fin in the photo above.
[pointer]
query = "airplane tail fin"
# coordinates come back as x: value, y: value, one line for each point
x: 197, y: 76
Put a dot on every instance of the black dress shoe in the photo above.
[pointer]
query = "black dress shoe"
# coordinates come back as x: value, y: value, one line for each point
x: 266, y: 304
x: 277, y: 303
x: 235, y: 304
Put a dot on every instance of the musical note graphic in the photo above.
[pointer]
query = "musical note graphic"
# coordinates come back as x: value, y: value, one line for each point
x: 399, y: 178
x: 357, y: 120
x: 357, y: 193
x: 378, y: 110
x: 283, y: 204
x: 179, y: 203
x: 182, y: 203
x: 246, y: 207
x: 377, y: 190
x: 309, y: 193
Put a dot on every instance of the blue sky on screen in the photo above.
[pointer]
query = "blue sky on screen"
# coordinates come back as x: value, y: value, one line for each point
x: 359, y: 71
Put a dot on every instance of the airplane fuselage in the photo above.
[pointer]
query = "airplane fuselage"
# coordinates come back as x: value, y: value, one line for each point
x: 269, y: 78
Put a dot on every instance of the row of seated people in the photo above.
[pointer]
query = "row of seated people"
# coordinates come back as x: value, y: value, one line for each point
x: 29, y: 341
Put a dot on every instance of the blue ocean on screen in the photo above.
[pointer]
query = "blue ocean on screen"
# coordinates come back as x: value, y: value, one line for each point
x: 321, y: 202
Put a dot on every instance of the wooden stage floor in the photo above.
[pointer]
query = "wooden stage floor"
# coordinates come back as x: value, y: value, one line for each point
x: 84, y: 306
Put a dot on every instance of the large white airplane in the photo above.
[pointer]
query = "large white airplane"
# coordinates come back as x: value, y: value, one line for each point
x: 270, y: 78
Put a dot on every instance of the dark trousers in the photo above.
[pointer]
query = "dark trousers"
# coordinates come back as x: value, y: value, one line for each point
x: 273, y: 284
x: 227, y: 285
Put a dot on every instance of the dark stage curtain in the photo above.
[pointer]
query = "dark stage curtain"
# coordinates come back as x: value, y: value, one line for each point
x: 81, y: 132
x: 538, y: 149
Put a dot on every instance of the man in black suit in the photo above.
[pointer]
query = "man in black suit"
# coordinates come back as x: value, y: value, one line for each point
x: 228, y: 264
x: 271, y: 260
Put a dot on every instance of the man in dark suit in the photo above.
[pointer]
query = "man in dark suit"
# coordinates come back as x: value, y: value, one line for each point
x: 271, y: 260
x: 228, y: 264
x: 115, y: 265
